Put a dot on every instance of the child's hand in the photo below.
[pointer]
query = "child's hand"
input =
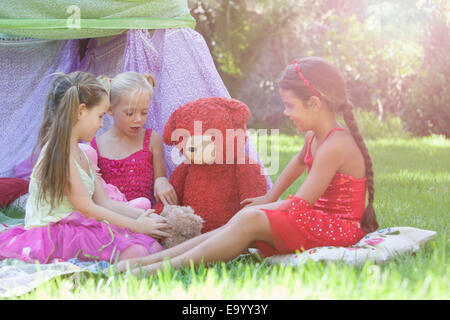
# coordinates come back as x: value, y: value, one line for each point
x: 255, y: 201
x: 152, y: 224
x: 164, y: 191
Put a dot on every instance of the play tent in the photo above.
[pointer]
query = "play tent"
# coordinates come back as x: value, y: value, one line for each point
x: 40, y: 37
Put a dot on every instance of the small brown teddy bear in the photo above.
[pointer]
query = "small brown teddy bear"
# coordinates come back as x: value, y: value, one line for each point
x: 184, y: 222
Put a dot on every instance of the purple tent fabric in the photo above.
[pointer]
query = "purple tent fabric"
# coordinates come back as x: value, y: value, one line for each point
x: 183, y: 69
x: 26, y: 66
x: 181, y: 63
x: 179, y: 59
x: 23, y: 170
x: 105, y: 59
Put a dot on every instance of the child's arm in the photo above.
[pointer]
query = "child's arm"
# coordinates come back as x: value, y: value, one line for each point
x: 177, y: 179
x: 163, y: 190
x: 330, y: 157
x: 101, y: 198
x: 293, y: 170
x: 258, y: 185
x: 80, y: 199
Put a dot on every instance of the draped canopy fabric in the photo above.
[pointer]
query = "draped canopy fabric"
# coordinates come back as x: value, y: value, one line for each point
x: 25, y: 75
x: 179, y: 59
x: 68, y: 19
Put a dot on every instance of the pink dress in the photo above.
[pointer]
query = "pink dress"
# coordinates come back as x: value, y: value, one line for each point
x: 111, y: 190
x: 133, y: 175
x: 63, y: 233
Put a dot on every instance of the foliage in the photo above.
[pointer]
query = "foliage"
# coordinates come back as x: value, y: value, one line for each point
x: 375, y: 67
x: 373, y: 127
x: 375, y: 43
x: 370, y: 124
x: 427, y: 106
x: 236, y: 30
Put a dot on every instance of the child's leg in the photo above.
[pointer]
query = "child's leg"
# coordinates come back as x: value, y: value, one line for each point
x: 133, y: 251
x: 224, y: 244
x: 179, y: 249
x: 141, y: 203
x: 166, y: 254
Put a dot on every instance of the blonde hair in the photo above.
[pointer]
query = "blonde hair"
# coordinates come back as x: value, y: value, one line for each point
x: 66, y: 93
x: 126, y: 83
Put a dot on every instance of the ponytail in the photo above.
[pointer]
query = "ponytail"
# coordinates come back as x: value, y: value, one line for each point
x: 55, y: 161
x: 150, y: 79
x: 106, y: 82
x: 66, y: 93
x: 369, y: 221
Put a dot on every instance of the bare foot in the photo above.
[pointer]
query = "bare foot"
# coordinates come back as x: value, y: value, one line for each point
x: 150, y: 268
x: 124, y: 265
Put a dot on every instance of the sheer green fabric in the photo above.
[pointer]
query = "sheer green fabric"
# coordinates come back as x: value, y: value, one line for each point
x: 69, y: 19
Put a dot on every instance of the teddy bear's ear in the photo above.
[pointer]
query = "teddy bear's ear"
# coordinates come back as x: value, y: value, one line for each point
x: 240, y: 113
x: 169, y: 127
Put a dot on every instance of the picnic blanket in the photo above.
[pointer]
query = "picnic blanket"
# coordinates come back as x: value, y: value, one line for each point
x: 379, y: 246
x: 18, y: 277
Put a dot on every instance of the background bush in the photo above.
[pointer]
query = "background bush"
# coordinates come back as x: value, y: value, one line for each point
x: 426, y: 108
x: 393, y: 54
x: 373, y: 127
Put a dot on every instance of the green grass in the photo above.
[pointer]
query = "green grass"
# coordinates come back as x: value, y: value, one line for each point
x: 412, y: 181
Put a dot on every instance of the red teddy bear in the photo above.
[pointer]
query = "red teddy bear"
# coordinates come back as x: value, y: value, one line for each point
x: 216, y: 175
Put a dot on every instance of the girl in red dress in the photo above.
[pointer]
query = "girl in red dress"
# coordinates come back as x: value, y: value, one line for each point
x: 329, y: 207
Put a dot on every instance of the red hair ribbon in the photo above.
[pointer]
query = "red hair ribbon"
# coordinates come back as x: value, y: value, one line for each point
x: 306, y: 81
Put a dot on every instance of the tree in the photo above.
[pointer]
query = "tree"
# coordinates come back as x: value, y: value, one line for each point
x: 427, y: 103
x: 236, y: 31
x: 375, y: 43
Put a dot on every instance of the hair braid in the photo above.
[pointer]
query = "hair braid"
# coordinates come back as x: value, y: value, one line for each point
x: 368, y: 222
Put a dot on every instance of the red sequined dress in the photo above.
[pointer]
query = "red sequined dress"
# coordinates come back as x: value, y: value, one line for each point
x: 334, y: 220
x: 133, y: 175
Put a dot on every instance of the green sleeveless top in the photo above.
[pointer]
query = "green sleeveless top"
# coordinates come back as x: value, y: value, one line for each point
x: 38, y: 213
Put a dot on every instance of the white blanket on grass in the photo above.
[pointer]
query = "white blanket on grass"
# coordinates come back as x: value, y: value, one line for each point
x: 18, y: 277
x: 379, y: 246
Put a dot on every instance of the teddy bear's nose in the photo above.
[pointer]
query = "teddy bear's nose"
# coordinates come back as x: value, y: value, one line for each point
x: 191, y: 149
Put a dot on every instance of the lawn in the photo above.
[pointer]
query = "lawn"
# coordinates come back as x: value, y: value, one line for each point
x: 412, y: 183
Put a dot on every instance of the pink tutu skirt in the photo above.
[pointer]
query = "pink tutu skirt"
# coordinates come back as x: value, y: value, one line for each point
x: 72, y: 237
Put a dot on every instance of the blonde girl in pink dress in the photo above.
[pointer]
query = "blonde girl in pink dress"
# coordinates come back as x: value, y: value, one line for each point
x: 130, y: 156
